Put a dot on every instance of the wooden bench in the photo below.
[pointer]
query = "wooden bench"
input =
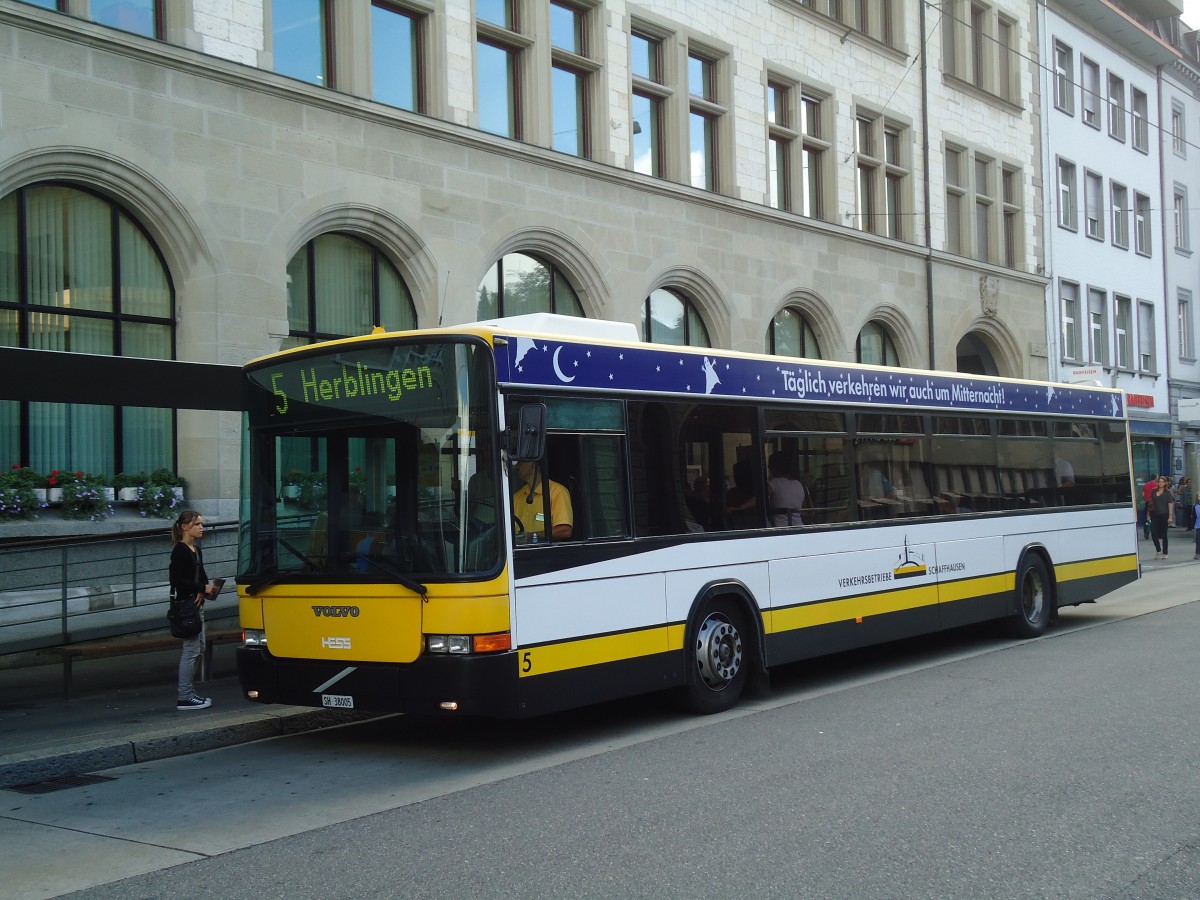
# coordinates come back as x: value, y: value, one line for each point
x: 148, y: 643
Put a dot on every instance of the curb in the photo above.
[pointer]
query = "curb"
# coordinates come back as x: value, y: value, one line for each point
x: 47, y: 765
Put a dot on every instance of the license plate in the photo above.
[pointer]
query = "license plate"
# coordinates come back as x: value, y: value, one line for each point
x: 337, y: 701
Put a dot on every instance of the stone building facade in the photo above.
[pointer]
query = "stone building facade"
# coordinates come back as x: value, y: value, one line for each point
x: 776, y: 173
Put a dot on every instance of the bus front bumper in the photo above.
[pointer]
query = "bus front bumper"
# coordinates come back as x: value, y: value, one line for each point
x: 484, y: 685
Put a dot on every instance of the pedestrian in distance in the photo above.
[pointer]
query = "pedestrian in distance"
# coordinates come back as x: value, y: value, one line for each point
x: 1147, y: 490
x: 189, y: 581
x: 1162, y: 504
x: 1195, y: 517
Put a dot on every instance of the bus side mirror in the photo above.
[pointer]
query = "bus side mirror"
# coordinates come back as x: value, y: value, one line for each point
x: 531, y: 432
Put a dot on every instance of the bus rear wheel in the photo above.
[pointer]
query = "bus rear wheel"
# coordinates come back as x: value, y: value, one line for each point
x: 717, y: 658
x: 1035, y: 599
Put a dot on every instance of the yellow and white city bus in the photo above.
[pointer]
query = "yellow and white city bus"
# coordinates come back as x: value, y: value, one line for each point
x: 724, y: 513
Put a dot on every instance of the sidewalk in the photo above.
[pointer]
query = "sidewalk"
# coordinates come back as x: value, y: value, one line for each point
x: 124, y: 711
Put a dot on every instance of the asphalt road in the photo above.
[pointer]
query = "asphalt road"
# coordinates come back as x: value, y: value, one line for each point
x: 960, y: 766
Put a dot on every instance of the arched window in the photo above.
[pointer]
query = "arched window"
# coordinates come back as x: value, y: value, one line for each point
x: 519, y: 284
x: 78, y: 274
x: 671, y: 318
x: 791, y: 334
x: 341, y: 286
x: 974, y: 357
x: 875, y: 346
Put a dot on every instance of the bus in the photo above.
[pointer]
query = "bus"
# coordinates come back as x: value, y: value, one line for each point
x: 515, y: 517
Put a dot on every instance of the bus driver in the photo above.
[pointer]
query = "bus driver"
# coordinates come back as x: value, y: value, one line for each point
x: 529, y: 506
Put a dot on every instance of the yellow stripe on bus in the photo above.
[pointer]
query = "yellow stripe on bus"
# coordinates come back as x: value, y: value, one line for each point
x: 603, y: 649
x: 969, y: 588
x: 851, y: 608
x: 1092, y: 568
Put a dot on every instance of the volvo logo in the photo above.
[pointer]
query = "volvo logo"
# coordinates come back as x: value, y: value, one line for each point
x: 336, y: 612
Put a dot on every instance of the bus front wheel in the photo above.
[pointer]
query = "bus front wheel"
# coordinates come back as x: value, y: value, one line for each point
x: 1035, y: 598
x: 717, y: 658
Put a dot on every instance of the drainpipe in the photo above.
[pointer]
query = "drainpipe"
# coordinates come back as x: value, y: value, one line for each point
x: 926, y: 188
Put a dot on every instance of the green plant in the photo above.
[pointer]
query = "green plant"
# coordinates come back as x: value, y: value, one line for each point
x: 163, y: 475
x: 83, y: 497
x: 18, y: 497
x: 161, y: 495
x: 23, y: 476
x: 314, y: 490
x: 123, y: 480
x: 59, y: 479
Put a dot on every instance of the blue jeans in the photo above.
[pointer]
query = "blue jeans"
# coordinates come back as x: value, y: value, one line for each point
x: 193, y: 649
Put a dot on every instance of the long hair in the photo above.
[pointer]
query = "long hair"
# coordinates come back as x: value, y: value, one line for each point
x: 186, y: 517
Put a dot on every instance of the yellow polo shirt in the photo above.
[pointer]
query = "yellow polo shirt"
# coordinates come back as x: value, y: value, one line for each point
x: 533, y: 515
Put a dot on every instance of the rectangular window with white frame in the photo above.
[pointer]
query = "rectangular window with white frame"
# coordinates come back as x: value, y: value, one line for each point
x: 1124, y: 329
x: 1142, y: 235
x: 1098, y: 326
x: 1093, y: 205
x: 1187, y: 326
x: 1116, y: 107
x: 1068, y: 214
x: 1090, y: 99
x: 1146, y: 338
x: 1180, y: 199
x: 1178, y: 129
x: 1068, y: 292
x: 1139, y: 112
x: 1064, y: 78
x: 1119, y: 195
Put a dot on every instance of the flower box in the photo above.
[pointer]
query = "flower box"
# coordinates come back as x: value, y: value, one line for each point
x: 127, y: 495
x: 54, y: 496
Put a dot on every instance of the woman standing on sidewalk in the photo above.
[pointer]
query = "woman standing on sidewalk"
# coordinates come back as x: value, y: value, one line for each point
x: 189, y: 580
x: 1162, y: 504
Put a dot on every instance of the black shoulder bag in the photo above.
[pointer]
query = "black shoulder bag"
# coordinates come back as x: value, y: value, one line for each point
x: 183, y: 613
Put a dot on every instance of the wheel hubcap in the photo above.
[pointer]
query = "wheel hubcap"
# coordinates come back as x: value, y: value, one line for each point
x: 1033, y: 596
x: 718, y: 652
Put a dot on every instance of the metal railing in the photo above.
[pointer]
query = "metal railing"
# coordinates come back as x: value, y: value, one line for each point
x: 59, y: 592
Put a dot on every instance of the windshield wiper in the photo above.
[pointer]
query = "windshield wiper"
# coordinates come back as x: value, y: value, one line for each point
x: 403, y: 579
x: 261, y: 582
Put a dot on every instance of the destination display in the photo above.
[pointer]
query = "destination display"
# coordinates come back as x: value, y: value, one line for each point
x: 403, y: 381
x: 539, y: 362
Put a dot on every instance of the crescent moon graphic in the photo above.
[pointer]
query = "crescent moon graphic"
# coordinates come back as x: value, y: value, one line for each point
x: 558, y: 371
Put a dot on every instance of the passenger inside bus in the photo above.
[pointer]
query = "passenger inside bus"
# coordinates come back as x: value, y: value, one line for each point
x: 787, y: 492
x: 529, y: 506
x: 699, y: 502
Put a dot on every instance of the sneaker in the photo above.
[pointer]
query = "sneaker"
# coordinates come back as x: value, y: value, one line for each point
x: 194, y: 703
x: 1158, y: 556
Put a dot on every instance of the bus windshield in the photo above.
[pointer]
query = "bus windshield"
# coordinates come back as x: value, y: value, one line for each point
x: 375, y: 461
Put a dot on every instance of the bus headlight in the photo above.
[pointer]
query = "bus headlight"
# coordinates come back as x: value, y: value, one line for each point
x: 254, y: 638
x: 465, y: 644
x: 448, y: 643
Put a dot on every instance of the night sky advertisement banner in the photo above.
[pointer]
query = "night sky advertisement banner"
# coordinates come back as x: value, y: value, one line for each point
x: 540, y: 362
